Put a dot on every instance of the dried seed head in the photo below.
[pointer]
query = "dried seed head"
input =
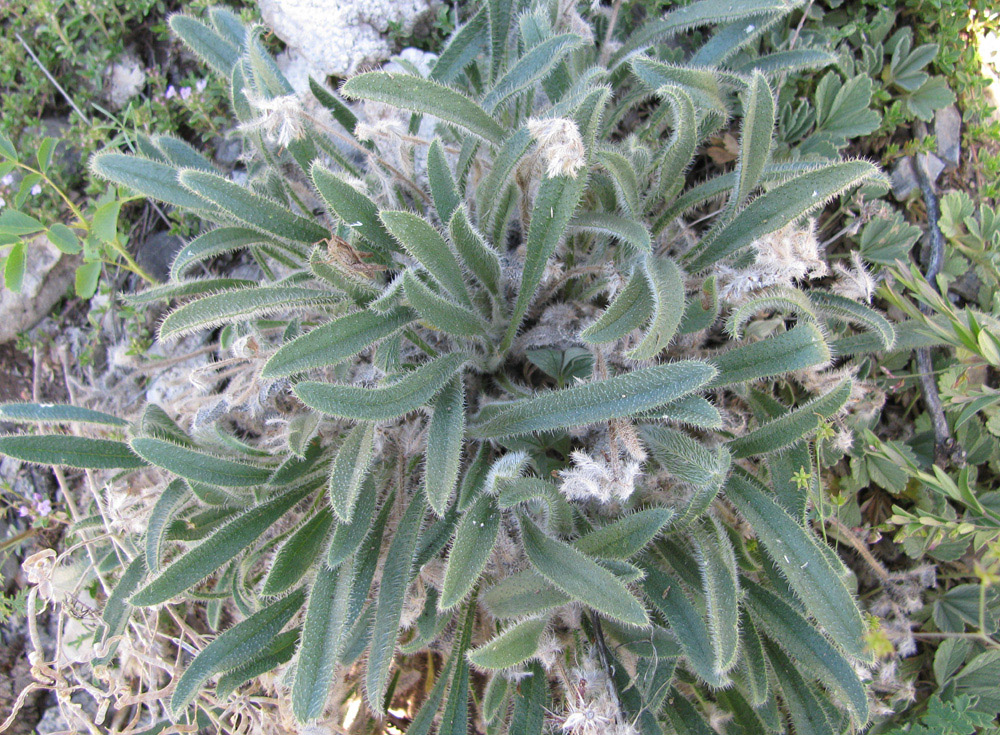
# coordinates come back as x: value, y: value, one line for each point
x: 855, y: 282
x: 560, y: 144
x: 280, y: 120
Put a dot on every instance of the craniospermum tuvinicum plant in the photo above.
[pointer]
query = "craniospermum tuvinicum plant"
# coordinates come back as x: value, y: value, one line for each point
x: 527, y: 433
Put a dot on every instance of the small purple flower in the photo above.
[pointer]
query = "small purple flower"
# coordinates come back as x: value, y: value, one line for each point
x: 185, y: 92
x: 201, y: 84
x: 36, y: 190
x: 7, y: 180
x: 171, y: 92
x: 45, y: 507
x: 23, y: 511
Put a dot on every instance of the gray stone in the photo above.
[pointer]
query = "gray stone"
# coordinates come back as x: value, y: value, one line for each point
x: 948, y: 131
x: 903, y: 179
x: 156, y: 253
x: 47, y: 275
x: 931, y: 165
x: 337, y: 37
x: 228, y: 150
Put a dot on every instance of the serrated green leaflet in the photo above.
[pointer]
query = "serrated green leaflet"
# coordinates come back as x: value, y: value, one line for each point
x: 444, y: 445
x: 71, y: 451
x: 425, y: 243
x: 666, y: 283
x: 349, y: 469
x: 53, y: 413
x: 392, y: 589
x: 297, y: 554
x: 322, y: 639
x: 513, y: 646
x: 242, y: 304
x: 782, y: 432
x: 630, y: 310
x: 198, y: 466
x: 224, y: 544
x: 379, y: 404
x: 234, y: 647
x: 253, y: 210
x: 475, y: 538
x: 580, y: 577
x: 422, y: 95
x: 335, y: 341
x: 811, y: 650
x: 804, y: 566
x: 440, y: 313
x: 777, y: 207
x: 618, y: 397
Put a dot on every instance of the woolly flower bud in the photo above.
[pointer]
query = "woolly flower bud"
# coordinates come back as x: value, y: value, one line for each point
x: 560, y: 144
x: 855, y: 282
x: 280, y: 118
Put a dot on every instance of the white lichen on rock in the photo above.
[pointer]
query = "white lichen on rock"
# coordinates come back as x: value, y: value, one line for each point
x: 338, y: 37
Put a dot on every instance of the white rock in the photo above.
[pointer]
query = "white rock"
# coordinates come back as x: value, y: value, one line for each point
x: 948, y: 131
x: 124, y: 80
x: 47, y: 275
x: 337, y: 37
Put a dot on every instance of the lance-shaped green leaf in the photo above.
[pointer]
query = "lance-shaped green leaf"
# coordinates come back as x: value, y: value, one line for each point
x: 422, y: 95
x: 513, y: 646
x: 251, y: 209
x: 702, y: 311
x: 691, y: 410
x: 347, y: 537
x: 678, y: 153
x: 335, y: 341
x: 623, y: 177
x: 477, y: 256
x: 805, y: 567
x: 70, y: 451
x: 617, y: 397
x: 726, y: 42
x: 531, y: 703
x: 791, y: 60
x: 340, y: 111
x: 626, y: 536
x: 530, y: 68
x: 555, y: 204
x: 322, y: 639
x: 720, y: 585
x: 55, y: 413
x: 755, y: 140
x: 491, y: 190
x: 117, y: 609
x: 777, y: 299
x: 222, y: 546
x: 439, y: 312
x: 297, y: 554
x: 848, y: 310
x: 811, y: 651
x: 523, y: 594
x: 695, y: 15
x: 474, y: 540
x: 463, y: 46
x: 407, y: 394
x: 358, y: 211
x: 580, y: 577
x: 241, y: 304
x: 805, y: 710
x: 703, y: 86
x: 667, y: 596
x: 184, y: 288
x: 170, y: 501
x: 752, y: 664
x: 455, y: 717
x: 396, y: 577
x: 629, y: 311
x: 626, y: 229
x: 213, y: 243
x: 796, y: 349
x: 667, y: 288
x: 422, y: 240
x: 182, y: 154
x: 234, y: 647
x: 782, y: 432
x: 150, y: 178
x: 443, y: 189
x: 214, y: 49
x: 277, y: 653
x: 350, y: 468
x: 777, y: 207
x: 199, y: 466
x: 444, y: 445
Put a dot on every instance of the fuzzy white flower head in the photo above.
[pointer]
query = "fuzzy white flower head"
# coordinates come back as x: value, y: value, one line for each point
x: 597, y: 479
x: 280, y: 118
x: 560, y: 144
x: 783, y: 257
x: 855, y: 282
